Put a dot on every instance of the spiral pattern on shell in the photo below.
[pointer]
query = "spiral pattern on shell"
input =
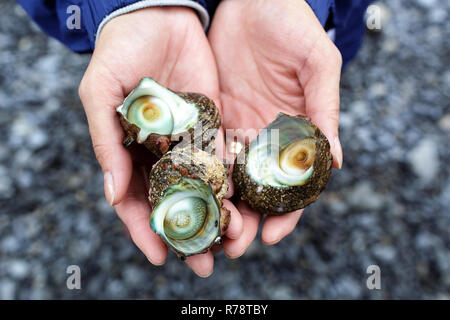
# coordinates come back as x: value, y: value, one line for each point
x: 185, y: 218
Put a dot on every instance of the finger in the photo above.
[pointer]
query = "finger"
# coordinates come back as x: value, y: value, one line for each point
x: 134, y: 211
x: 321, y: 88
x: 222, y: 153
x: 234, y: 248
x: 107, y: 135
x: 276, y: 228
x: 201, y: 264
x: 230, y: 191
x: 234, y: 230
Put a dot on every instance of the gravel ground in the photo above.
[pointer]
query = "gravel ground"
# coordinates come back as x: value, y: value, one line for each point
x: 389, y: 206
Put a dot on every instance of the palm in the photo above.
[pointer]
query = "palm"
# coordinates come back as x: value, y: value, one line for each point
x: 176, y: 55
x: 259, y: 78
x: 266, y: 57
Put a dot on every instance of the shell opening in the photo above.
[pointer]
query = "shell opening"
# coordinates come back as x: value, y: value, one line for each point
x: 298, y: 157
x: 186, y: 217
x: 294, y: 165
x: 156, y: 109
x: 151, y: 114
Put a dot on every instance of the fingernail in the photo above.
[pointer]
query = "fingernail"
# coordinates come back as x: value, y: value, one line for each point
x: 338, y: 152
x: 234, y: 256
x: 109, y: 187
x: 205, y: 275
x: 157, y: 264
x: 271, y: 243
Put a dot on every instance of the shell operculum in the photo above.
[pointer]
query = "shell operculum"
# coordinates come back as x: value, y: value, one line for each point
x: 188, y: 217
x: 155, y: 109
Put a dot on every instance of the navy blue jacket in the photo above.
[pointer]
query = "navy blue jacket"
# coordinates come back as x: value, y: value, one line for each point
x: 346, y: 16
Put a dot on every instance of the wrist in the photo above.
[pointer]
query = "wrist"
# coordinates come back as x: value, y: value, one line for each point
x: 149, y: 24
x: 97, y: 13
x: 164, y: 19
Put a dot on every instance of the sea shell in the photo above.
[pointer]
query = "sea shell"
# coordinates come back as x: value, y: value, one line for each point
x: 285, y: 168
x: 186, y: 191
x: 158, y: 118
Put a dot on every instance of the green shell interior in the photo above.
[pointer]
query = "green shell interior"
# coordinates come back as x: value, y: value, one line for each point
x: 210, y: 229
x: 264, y: 151
x: 177, y: 115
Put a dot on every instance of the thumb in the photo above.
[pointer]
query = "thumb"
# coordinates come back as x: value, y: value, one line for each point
x: 322, y: 97
x: 107, y: 136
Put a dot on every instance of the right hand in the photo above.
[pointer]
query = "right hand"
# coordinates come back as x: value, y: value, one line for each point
x: 274, y: 56
x: 169, y: 45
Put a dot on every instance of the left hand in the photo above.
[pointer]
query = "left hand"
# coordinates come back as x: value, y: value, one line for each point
x: 170, y: 45
x: 272, y: 57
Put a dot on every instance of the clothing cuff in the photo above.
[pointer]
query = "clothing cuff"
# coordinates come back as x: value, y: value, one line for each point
x: 324, y: 11
x: 97, y: 13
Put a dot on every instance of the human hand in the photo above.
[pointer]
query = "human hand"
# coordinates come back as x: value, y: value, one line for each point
x: 169, y: 45
x: 274, y: 56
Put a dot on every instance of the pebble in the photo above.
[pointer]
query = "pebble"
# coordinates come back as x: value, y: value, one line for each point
x: 359, y: 109
x: 347, y: 288
x: 426, y: 241
x: 9, y: 244
x: 7, y: 290
x: 385, y: 253
x: 424, y: 160
x: 18, y: 269
x: 438, y: 15
x: 6, y: 184
x: 282, y: 293
x: 428, y: 3
x: 444, y: 122
x: 378, y: 90
x: 364, y: 196
x: 26, y: 131
x: 5, y: 41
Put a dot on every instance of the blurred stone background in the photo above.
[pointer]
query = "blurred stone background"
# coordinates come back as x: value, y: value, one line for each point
x: 389, y: 205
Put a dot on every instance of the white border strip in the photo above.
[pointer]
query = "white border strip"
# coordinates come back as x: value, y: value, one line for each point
x: 203, y: 14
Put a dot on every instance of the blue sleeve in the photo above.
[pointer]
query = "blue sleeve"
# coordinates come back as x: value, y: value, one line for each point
x: 347, y: 18
x: 52, y: 15
x: 322, y: 9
